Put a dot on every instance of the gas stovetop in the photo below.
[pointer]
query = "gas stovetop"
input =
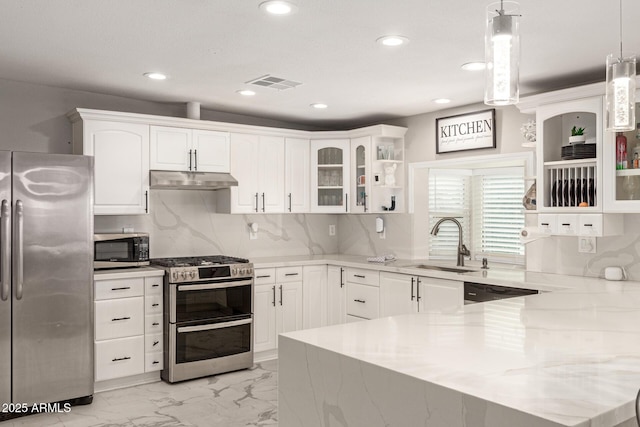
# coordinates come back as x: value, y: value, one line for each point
x: 210, y: 268
x: 198, y: 261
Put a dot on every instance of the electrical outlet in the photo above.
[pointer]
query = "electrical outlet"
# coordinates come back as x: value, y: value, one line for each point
x: 586, y: 245
x: 332, y: 229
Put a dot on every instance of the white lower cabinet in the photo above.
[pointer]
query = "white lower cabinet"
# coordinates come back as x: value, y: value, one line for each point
x: 363, y: 293
x: 398, y: 294
x: 128, y: 327
x: 314, y: 295
x: 336, y: 296
x: 277, y: 305
x: 404, y: 294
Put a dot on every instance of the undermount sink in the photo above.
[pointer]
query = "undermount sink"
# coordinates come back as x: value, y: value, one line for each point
x: 443, y: 268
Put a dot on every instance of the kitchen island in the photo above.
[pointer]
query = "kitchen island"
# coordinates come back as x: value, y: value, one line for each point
x: 564, y: 358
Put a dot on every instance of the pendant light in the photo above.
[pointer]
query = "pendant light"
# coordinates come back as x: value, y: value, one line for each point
x: 502, y: 54
x: 621, y: 90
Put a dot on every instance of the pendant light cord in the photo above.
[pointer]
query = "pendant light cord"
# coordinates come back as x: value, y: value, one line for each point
x: 620, y: 30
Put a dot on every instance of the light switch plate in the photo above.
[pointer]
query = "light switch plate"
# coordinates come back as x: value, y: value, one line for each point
x: 332, y: 230
x: 587, y: 244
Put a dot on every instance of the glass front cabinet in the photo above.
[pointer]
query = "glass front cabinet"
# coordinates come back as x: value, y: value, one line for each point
x: 330, y: 175
x: 621, y: 166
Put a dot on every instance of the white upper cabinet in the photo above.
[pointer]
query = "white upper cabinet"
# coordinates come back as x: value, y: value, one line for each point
x: 361, y: 174
x: 121, y: 164
x: 297, y: 175
x: 195, y: 150
x: 570, y: 174
x: 257, y: 162
x: 330, y: 176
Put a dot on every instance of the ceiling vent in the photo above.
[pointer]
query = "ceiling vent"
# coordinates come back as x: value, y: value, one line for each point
x: 274, y: 82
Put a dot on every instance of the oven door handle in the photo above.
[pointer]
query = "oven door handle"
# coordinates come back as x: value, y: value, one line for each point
x: 219, y: 285
x: 184, y: 329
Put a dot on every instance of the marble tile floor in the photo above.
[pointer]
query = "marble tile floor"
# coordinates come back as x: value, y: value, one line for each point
x: 235, y: 399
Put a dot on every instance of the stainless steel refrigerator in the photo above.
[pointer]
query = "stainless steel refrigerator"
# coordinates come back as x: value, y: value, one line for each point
x: 46, y: 278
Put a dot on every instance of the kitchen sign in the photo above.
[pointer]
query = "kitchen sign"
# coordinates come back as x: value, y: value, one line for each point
x: 469, y: 131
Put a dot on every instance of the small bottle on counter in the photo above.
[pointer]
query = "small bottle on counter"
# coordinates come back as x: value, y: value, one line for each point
x: 621, y: 151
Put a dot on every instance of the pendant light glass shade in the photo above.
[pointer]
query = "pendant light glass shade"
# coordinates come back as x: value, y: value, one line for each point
x: 620, y: 95
x: 502, y: 54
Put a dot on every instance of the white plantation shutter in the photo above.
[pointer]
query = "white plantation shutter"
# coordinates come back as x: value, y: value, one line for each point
x: 488, y: 204
x: 449, y: 196
x: 498, y: 214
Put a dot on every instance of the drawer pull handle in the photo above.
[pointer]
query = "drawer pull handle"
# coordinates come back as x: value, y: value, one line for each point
x: 155, y: 343
x: 118, y: 359
x: 359, y: 276
x: 155, y: 285
x: 291, y: 274
x: 155, y: 362
x: 263, y: 277
x: 588, y: 225
x: 116, y: 319
x: 155, y: 305
x: 566, y: 225
x: 155, y: 324
x: 545, y: 224
x: 124, y: 288
x: 359, y: 300
x: 473, y: 294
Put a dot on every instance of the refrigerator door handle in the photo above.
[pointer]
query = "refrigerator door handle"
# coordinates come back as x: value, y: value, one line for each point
x: 5, y: 249
x: 19, y: 249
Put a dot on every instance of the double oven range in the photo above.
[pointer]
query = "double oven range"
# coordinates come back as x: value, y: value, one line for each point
x: 208, y: 316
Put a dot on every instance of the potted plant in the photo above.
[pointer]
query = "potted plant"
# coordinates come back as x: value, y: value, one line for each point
x: 577, y: 136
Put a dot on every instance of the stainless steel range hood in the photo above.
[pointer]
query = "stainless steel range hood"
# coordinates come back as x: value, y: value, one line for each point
x: 175, y: 180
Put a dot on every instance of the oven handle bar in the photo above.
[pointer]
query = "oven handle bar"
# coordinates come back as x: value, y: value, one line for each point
x: 184, y: 329
x: 219, y: 285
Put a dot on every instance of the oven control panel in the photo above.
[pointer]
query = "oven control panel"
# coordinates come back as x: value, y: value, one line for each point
x: 216, y: 272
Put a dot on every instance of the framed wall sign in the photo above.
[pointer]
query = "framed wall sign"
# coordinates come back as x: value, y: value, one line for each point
x: 469, y: 131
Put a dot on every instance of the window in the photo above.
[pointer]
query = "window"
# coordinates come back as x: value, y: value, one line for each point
x: 488, y: 204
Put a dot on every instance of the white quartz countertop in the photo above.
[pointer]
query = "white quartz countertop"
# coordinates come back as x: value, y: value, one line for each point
x: 127, y: 273
x: 496, y: 275
x: 568, y: 358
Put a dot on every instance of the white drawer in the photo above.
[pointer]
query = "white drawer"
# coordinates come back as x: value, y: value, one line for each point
x: 547, y: 223
x: 152, y: 342
x: 153, y: 324
x: 153, y: 304
x: 153, y: 361
x: 153, y: 285
x: 288, y: 274
x: 119, y: 288
x: 590, y: 225
x: 363, y: 301
x: 119, y: 318
x: 265, y: 276
x: 567, y: 225
x: 119, y: 358
x: 365, y: 277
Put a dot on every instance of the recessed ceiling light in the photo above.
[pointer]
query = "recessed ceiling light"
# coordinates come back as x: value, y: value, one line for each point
x: 473, y: 66
x: 319, y: 105
x: 278, y: 7
x: 441, y: 100
x: 155, y: 76
x: 392, y: 41
x: 246, y: 92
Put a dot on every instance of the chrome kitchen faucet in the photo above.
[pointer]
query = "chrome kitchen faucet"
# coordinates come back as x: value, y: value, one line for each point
x: 462, y: 249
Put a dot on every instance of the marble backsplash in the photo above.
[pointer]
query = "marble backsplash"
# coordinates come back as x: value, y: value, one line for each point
x: 185, y: 223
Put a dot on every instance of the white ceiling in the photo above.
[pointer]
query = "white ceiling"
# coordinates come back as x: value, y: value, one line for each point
x: 210, y: 48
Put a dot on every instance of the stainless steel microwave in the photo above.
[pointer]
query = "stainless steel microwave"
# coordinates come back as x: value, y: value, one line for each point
x: 111, y: 250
